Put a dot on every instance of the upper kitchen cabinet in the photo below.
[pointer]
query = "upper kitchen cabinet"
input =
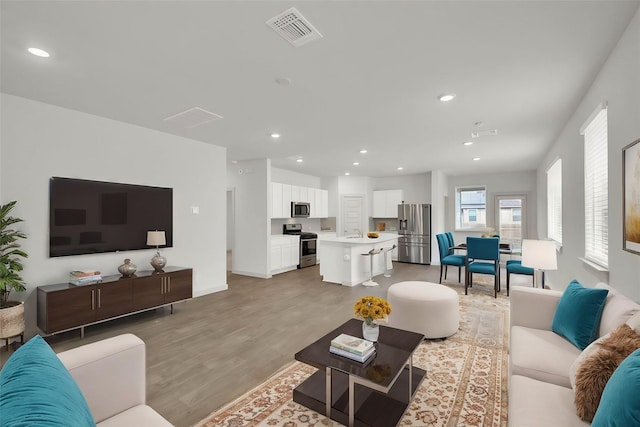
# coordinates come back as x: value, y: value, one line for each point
x: 385, y: 203
x: 280, y: 200
x: 283, y: 194
x: 319, y: 203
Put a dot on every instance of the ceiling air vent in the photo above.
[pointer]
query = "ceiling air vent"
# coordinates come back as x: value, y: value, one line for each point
x: 192, y: 117
x: 294, y: 27
x: 492, y: 132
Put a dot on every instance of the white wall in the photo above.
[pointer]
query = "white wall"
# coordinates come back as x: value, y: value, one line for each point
x: 618, y: 83
x: 415, y: 188
x: 283, y: 176
x: 251, y: 181
x: 497, y: 184
x: 40, y: 141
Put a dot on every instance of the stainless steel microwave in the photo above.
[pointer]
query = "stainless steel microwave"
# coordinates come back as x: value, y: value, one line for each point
x: 300, y: 210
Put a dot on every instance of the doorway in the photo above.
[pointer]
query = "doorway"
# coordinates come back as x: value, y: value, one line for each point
x: 351, y: 220
x: 511, y: 219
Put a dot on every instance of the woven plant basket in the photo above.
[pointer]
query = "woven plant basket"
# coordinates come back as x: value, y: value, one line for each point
x: 12, y: 320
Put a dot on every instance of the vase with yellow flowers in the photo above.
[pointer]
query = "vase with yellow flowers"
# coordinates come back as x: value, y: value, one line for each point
x: 371, y: 309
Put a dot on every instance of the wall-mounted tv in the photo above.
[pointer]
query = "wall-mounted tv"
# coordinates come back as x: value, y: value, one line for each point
x: 87, y: 217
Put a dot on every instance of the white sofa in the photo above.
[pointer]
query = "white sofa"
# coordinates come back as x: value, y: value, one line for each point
x: 112, y: 377
x: 540, y: 392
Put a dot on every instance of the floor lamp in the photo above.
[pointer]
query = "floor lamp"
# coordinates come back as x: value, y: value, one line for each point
x: 539, y: 255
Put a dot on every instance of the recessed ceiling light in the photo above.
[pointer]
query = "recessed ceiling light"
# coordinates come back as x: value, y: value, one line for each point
x: 275, y: 135
x: 447, y: 97
x: 347, y: 173
x: 299, y: 160
x: 356, y: 163
x: 283, y: 81
x: 400, y: 168
x: 475, y: 159
x: 38, y: 52
x: 234, y: 161
x: 467, y: 143
x: 363, y: 151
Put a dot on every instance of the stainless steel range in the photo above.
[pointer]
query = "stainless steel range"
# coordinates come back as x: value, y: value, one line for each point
x: 308, y: 244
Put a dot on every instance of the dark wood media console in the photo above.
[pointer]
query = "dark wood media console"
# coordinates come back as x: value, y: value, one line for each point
x: 64, y: 306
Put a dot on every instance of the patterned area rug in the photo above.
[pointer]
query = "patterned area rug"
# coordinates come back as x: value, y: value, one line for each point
x: 466, y: 382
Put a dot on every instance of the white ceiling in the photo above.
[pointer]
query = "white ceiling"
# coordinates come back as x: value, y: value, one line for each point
x: 371, y: 82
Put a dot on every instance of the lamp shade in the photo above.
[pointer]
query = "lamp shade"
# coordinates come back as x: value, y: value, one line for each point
x: 540, y: 254
x: 156, y: 238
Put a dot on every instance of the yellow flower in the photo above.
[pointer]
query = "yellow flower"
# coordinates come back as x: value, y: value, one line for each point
x: 372, y: 307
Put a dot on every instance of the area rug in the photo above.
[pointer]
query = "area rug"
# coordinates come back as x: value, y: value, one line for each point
x: 465, y: 385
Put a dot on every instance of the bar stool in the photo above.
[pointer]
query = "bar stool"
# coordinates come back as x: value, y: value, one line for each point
x: 387, y: 272
x: 370, y: 254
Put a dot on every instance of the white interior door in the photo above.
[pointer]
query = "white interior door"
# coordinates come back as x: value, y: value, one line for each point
x: 511, y: 219
x: 352, y: 208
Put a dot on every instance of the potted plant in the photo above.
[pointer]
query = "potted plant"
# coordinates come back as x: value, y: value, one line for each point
x: 11, y: 312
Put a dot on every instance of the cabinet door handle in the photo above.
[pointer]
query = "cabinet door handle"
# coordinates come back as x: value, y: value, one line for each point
x: 162, y: 285
x: 93, y: 300
x: 169, y: 284
x: 99, y: 303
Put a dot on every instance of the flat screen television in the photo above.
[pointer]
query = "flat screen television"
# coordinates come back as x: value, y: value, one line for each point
x: 88, y: 217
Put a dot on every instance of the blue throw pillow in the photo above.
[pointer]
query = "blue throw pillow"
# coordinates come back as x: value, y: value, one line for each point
x: 620, y: 402
x: 578, y: 314
x: 37, y: 390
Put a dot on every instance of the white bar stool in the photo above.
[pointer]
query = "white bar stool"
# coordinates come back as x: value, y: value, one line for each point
x: 370, y: 254
x: 387, y: 272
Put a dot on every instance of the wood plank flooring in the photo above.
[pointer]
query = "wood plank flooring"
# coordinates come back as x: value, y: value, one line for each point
x: 216, y: 347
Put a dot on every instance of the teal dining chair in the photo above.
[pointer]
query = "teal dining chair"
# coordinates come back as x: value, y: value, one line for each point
x: 447, y: 257
x: 450, y: 238
x: 514, y: 266
x: 483, y: 257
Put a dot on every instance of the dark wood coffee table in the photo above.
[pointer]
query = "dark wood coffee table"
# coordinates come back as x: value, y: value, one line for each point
x: 374, y: 393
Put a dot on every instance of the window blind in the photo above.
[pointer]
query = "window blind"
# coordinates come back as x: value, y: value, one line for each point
x: 554, y: 201
x: 596, y: 197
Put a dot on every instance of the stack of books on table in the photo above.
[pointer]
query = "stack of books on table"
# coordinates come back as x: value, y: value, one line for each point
x: 84, y: 277
x: 354, y: 348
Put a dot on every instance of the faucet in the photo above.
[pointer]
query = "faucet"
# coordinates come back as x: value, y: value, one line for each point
x: 358, y: 232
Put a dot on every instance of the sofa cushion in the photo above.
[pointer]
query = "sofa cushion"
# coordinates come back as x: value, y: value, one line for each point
x: 542, y: 355
x: 538, y: 403
x: 595, y: 371
x: 617, y: 310
x: 620, y: 403
x: 36, y: 389
x: 577, y: 317
x: 141, y: 415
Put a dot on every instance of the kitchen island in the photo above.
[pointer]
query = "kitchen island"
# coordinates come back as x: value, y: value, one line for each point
x: 342, y: 260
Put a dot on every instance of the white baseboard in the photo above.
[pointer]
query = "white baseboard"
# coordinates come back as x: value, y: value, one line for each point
x: 259, y: 276
x: 210, y: 290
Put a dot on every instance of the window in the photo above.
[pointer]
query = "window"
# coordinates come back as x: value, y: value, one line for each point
x: 511, y: 218
x: 471, y: 208
x: 554, y: 202
x: 596, y: 200
x: 516, y: 215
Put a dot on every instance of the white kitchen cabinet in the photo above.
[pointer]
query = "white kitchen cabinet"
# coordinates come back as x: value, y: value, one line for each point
x: 385, y: 203
x: 285, y: 253
x: 286, y: 201
x: 276, y: 200
x: 295, y: 193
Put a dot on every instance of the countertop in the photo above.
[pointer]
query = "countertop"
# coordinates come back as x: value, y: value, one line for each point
x: 384, y: 237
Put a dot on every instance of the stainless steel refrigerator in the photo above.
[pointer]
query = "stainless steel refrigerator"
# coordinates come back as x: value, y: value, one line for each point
x: 414, y: 233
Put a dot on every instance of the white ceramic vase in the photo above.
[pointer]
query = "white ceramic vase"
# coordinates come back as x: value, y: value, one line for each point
x: 370, y: 332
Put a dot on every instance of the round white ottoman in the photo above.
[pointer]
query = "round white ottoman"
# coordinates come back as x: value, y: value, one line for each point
x: 424, y: 307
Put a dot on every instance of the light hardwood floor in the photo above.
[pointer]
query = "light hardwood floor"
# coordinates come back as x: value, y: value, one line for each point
x: 216, y: 347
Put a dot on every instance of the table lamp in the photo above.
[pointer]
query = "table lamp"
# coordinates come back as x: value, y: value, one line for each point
x: 539, y: 255
x: 157, y: 238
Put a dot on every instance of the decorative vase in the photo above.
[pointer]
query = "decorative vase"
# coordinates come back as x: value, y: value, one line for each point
x: 12, y: 320
x: 158, y: 262
x: 128, y: 268
x: 370, y: 332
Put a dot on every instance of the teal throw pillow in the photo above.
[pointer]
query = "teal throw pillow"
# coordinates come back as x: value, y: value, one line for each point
x: 578, y: 314
x: 37, y: 390
x: 620, y: 402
